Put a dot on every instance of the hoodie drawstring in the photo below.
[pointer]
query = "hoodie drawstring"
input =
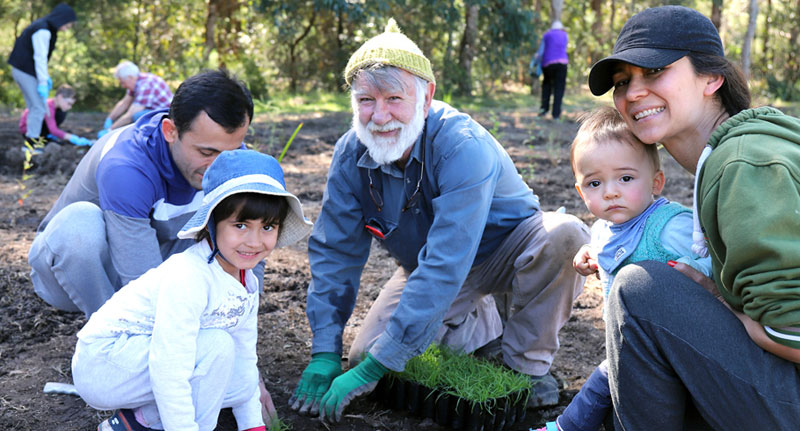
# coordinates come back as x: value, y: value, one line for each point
x: 698, y: 239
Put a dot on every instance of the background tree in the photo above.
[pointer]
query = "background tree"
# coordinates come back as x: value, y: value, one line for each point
x: 476, y: 46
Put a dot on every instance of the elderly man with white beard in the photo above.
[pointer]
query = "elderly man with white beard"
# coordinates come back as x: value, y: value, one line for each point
x: 445, y: 199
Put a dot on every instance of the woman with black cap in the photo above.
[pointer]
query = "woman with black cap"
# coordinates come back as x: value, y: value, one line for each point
x: 28, y: 61
x: 682, y: 348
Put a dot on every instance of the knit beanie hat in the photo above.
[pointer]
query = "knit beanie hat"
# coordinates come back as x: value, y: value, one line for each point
x: 391, y: 48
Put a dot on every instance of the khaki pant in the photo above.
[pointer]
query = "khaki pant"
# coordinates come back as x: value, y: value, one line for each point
x: 534, y: 265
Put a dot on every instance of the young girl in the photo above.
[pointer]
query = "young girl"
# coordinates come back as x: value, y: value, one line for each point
x: 618, y: 177
x: 173, y: 347
x: 57, y: 108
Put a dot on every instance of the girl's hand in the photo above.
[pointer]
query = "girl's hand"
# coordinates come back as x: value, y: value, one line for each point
x: 268, y: 412
x: 585, y: 263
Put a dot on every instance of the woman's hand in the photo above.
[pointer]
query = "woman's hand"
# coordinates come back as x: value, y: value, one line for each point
x: 754, y: 329
x: 699, y: 278
x: 585, y: 262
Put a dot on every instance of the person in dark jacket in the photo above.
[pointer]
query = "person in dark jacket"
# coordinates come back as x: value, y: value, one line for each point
x: 29, y: 59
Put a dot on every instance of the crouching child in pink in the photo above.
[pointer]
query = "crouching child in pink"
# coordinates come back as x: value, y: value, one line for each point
x: 173, y: 347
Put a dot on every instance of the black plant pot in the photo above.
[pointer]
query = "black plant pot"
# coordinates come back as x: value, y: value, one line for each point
x: 427, y: 397
x: 397, y: 394
x: 458, y: 413
x: 448, y: 410
x: 442, y: 414
x: 413, y: 404
x: 476, y: 420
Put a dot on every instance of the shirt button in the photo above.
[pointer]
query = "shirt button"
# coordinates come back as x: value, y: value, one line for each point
x: 408, y: 180
x: 416, y: 210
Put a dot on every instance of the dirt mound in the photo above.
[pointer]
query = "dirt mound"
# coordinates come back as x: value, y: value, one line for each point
x: 37, y: 341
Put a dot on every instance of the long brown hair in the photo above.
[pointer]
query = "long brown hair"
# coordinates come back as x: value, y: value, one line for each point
x: 734, y: 93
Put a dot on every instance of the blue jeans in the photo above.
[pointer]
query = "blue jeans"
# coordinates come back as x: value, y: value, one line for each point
x: 673, y: 348
x: 587, y: 411
x: 71, y: 267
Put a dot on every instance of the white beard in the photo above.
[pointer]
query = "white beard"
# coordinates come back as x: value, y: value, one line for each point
x: 387, y: 150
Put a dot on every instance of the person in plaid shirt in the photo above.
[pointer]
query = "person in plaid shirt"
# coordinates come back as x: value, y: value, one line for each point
x: 146, y: 92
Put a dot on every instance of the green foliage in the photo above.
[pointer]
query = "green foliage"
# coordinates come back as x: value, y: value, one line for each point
x: 302, y: 46
x: 465, y: 376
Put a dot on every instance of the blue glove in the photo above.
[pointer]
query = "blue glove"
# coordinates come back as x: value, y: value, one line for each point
x: 107, y: 124
x: 43, y: 91
x: 49, y: 84
x: 81, y: 142
x: 359, y: 381
x: 102, y: 132
x: 52, y: 137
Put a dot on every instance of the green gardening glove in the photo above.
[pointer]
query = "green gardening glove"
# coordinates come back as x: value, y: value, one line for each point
x: 315, y: 381
x: 359, y: 381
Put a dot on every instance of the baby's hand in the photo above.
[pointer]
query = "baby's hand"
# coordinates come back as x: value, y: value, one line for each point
x: 585, y: 263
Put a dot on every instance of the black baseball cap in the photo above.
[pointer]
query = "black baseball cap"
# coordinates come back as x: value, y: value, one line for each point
x: 654, y: 38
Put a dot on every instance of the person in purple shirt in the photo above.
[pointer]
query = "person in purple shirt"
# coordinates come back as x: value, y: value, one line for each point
x: 552, y: 55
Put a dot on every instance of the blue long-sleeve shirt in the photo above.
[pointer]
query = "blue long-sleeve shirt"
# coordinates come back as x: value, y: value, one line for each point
x: 471, y: 197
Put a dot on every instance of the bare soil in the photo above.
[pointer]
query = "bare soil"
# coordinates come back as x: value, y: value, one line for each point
x: 37, y: 341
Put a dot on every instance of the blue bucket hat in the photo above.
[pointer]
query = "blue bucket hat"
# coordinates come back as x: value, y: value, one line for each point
x: 246, y: 171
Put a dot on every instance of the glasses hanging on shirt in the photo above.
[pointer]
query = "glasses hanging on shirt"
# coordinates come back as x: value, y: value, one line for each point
x: 377, y: 199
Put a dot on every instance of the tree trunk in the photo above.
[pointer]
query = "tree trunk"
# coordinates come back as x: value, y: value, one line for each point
x: 557, y: 6
x: 793, y: 62
x: 716, y: 13
x: 467, y: 50
x: 748, y: 38
x: 293, y: 75
x: 597, y: 29
x: 211, y: 24
x: 767, y: 52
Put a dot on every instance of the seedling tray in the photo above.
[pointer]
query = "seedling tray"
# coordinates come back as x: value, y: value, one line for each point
x: 457, y: 391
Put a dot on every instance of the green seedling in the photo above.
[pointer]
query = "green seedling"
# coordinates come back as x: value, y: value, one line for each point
x: 27, y: 164
x: 469, y: 378
x: 278, y: 425
x: 289, y: 142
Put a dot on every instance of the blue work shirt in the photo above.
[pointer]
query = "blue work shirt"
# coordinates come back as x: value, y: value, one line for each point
x: 471, y: 197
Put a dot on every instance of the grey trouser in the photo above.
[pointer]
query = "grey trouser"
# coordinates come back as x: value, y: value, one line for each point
x: 672, y: 346
x: 36, y: 107
x: 71, y: 266
x: 534, y: 264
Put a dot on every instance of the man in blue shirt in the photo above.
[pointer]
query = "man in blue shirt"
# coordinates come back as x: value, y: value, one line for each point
x: 445, y: 199
x: 120, y: 213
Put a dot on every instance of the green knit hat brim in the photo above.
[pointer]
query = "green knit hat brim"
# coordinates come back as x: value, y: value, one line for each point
x: 391, y: 48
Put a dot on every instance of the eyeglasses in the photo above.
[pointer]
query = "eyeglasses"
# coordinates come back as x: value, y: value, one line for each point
x: 378, y: 200
x: 376, y: 197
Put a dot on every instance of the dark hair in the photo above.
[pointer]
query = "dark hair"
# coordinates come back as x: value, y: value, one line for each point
x: 734, y: 94
x: 250, y: 206
x: 223, y: 97
x: 605, y: 124
x: 64, y: 90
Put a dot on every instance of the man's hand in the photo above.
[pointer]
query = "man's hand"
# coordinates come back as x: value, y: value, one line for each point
x: 359, y: 381
x: 585, y: 263
x: 107, y: 123
x: 315, y: 381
